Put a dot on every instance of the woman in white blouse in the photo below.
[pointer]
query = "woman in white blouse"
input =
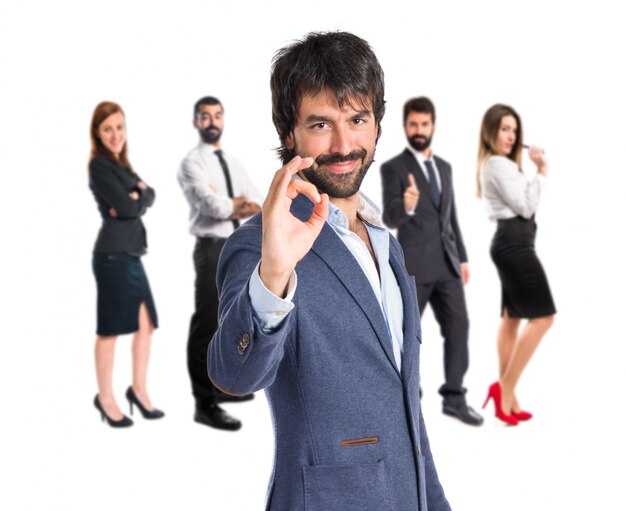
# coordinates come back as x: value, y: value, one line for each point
x: 511, y: 200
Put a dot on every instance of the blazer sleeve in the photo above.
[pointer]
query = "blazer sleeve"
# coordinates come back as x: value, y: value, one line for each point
x: 111, y: 190
x: 435, y: 495
x: 393, y: 186
x: 242, y: 358
x: 460, y: 246
x: 146, y: 196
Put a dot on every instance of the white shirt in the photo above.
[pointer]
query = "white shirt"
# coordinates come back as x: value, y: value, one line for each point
x: 271, y: 310
x: 507, y: 192
x: 202, y: 180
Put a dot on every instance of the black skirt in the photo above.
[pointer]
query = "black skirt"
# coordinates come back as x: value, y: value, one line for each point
x: 122, y: 287
x: 525, y: 289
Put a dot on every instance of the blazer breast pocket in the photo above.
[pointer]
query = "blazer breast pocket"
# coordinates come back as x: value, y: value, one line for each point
x: 346, y: 487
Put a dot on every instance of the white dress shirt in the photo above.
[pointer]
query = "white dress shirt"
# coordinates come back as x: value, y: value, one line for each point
x: 202, y: 180
x: 271, y: 309
x: 507, y: 192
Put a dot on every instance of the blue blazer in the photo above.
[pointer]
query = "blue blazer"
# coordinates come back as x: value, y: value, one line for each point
x: 348, y: 425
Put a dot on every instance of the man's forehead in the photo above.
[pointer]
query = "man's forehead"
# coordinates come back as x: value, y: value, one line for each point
x: 210, y: 109
x: 328, y: 100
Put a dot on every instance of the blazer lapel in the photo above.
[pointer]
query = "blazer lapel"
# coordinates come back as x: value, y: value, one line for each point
x: 446, y: 186
x: 410, y: 307
x: 342, y: 263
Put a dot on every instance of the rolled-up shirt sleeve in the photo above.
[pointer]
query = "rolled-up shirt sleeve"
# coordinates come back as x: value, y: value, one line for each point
x: 270, y: 310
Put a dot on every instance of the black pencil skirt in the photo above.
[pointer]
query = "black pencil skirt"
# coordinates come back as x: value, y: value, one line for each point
x: 525, y: 289
x: 122, y: 287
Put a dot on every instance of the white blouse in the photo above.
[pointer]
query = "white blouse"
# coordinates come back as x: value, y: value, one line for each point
x: 507, y: 192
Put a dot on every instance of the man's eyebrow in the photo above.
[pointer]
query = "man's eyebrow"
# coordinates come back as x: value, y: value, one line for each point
x: 323, y: 118
x: 362, y: 113
x: 316, y: 118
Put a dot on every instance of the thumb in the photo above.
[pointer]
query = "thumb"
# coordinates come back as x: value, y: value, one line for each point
x: 412, y: 181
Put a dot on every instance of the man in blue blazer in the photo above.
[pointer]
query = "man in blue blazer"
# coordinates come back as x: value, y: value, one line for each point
x: 316, y: 305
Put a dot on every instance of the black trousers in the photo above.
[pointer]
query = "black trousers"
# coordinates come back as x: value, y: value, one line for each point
x: 204, y: 320
x: 447, y: 299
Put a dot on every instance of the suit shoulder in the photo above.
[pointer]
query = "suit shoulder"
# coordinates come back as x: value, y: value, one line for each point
x: 393, y: 162
x: 443, y: 163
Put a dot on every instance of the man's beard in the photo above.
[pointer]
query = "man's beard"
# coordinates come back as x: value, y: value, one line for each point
x: 339, y: 186
x: 419, y: 142
x: 211, y: 134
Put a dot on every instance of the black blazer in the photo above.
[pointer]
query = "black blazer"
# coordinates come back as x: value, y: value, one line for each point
x: 431, y: 238
x: 111, y: 184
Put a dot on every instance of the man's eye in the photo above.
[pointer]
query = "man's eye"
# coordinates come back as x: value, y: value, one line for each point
x: 320, y: 125
x: 358, y: 121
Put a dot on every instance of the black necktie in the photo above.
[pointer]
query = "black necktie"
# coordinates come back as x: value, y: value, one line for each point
x: 229, y: 185
x: 434, y: 187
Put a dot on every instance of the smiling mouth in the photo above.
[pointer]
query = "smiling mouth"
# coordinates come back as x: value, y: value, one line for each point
x: 343, y: 167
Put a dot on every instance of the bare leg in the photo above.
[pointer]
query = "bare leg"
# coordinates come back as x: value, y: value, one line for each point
x: 523, y: 350
x: 105, y: 356
x: 507, y: 334
x: 141, y: 354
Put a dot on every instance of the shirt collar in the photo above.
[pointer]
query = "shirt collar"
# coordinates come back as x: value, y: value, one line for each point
x: 207, y: 147
x: 420, y: 158
x: 367, y: 210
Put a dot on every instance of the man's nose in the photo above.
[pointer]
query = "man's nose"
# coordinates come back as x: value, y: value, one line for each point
x: 341, y: 141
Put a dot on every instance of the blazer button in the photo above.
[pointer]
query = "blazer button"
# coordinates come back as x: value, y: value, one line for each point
x: 245, y: 340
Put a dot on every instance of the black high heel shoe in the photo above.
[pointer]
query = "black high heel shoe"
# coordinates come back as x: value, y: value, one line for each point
x: 147, y: 414
x: 124, y: 422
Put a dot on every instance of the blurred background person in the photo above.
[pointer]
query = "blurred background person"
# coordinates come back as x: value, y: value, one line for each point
x: 220, y: 195
x: 511, y: 200
x: 125, y: 303
x: 418, y: 200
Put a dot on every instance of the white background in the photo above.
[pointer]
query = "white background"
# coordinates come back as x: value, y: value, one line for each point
x: 560, y: 65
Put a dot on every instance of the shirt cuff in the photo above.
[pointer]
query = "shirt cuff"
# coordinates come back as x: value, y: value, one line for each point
x: 270, y: 309
x: 410, y: 212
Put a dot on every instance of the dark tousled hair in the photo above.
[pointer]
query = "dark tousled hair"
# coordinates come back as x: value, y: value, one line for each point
x: 422, y: 105
x: 206, y: 100
x: 338, y: 62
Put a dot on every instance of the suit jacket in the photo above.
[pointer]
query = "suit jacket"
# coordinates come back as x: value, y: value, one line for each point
x: 348, y: 425
x: 111, y: 185
x: 431, y: 238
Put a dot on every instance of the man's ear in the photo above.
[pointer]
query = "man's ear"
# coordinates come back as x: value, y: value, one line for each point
x: 289, y: 141
x: 195, y: 123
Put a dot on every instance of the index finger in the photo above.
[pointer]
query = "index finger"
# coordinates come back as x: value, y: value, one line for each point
x: 283, y: 176
x: 412, y: 181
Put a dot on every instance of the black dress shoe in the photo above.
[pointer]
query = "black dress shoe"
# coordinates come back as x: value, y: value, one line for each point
x: 460, y: 410
x: 124, y: 422
x: 155, y: 413
x: 222, y: 397
x: 217, y: 418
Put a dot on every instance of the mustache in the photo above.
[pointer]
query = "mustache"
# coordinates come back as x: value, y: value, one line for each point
x: 329, y: 159
x: 419, y: 137
x: 210, y: 127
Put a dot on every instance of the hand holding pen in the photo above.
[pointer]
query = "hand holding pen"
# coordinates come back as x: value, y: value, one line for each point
x: 537, y: 156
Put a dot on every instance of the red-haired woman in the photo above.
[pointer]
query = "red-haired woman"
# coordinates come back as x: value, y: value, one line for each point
x: 125, y: 303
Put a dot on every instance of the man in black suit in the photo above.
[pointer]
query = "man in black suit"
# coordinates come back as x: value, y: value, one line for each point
x: 418, y: 200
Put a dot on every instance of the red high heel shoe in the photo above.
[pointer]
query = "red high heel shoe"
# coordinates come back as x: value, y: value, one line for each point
x: 495, y: 393
x: 522, y: 415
